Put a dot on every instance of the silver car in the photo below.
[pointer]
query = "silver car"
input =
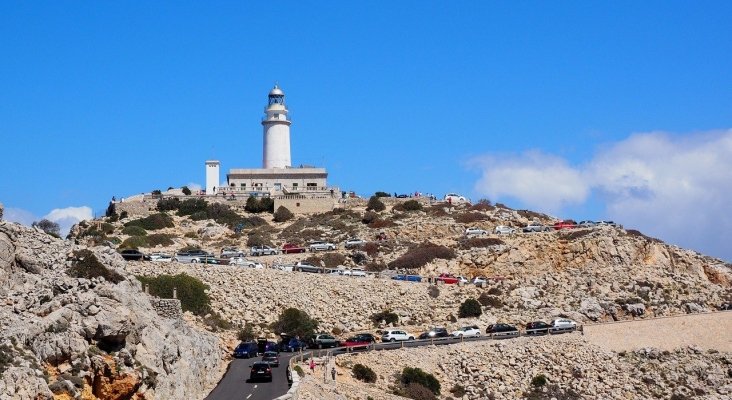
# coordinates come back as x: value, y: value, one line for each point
x: 504, y: 230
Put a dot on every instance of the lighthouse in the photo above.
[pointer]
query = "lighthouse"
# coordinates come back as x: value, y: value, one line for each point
x: 276, y: 126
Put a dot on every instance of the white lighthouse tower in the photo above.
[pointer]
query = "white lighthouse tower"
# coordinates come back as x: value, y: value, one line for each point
x: 276, y: 149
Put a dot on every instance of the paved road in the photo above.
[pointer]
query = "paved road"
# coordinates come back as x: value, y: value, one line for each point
x: 235, y: 385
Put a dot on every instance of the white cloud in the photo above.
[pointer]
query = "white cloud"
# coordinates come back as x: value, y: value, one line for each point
x: 67, y: 217
x: 677, y: 188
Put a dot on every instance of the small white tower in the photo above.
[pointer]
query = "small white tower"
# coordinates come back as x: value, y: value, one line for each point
x: 276, y: 149
x: 212, y: 176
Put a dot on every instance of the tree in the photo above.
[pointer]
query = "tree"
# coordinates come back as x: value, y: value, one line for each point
x: 375, y: 204
x: 283, y: 214
x: 253, y: 205
x: 246, y: 333
x: 47, y: 226
x: 294, y: 322
x: 111, y: 210
x: 470, y: 308
x: 382, y: 194
x: 186, y: 191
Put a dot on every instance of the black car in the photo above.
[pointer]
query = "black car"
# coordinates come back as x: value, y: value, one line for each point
x: 434, y: 333
x: 272, y: 358
x: 261, y: 371
x: 366, y: 337
x: 134, y: 255
x: 245, y: 350
x: 502, y: 331
x: 537, y: 328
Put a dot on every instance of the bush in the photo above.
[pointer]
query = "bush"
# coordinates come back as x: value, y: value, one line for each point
x: 375, y: 266
x: 47, y: 226
x: 257, y: 239
x: 416, y: 375
x: 487, y: 300
x: 375, y: 204
x: 294, y: 322
x: 369, y: 217
x: 153, y: 222
x: 419, y: 256
x: 417, y: 391
x: 134, y: 242
x: 474, y: 242
x: 538, y: 380
x: 458, y: 390
x: 470, y: 309
x: 255, y: 205
x: 371, y: 248
x: 283, y: 214
x: 168, y: 204
x: 299, y: 371
x: 470, y: 217
x: 216, y: 322
x: 84, y: 264
x: 111, y: 210
x: 123, y: 215
x: 186, y: 191
x: 387, y: 316
x: 364, y: 373
x: 191, y: 206
x: 333, y: 260
x: 411, y: 205
x: 6, y: 357
x: 134, y: 231
x: 158, y: 239
x: 190, y: 291
x: 382, y: 194
x: 482, y: 205
x: 433, y: 291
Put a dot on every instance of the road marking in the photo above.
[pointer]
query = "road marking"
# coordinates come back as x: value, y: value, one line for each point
x: 255, y: 386
x: 249, y: 396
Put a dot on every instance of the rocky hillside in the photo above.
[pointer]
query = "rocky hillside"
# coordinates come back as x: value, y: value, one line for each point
x: 75, y: 324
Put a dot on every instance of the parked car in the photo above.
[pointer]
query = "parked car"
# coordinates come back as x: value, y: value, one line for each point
x: 300, y: 267
x: 462, y: 279
x: 264, y: 345
x: 537, y: 328
x: 290, y: 248
x: 448, y: 279
x: 322, y: 340
x: 271, y: 358
x: 565, y: 224
x: 243, y: 262
x: 357, y: 342
x: 535, y: 227
x: 502, y: 331
x: 353, y: 243
x: 606, y: 223
x: 263, y: 251
x: 292, y: 344
x: 434, y: 333
x: 321, y: 246
x: 260, y: 370
x: 454, y: 198
x: 475, y: 232
x: 161, y: 257
x: 467, y: 331
x: 586, y: 224
x: 504, y: 230
x: 408, y: 278
x: 191, y: 256
x: 563, y: 324
x: 479, y: 280
x: 208, y: 260
x: 228, y: 252
x: 356, y: 272
x: 367, y: 337
x: 246, y: 350
x: 134, y: 255
x: 393, y: 335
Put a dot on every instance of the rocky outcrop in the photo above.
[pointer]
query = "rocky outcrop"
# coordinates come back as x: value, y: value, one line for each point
x: 91, y: 338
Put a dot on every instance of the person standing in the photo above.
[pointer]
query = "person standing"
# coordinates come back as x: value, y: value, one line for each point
x: 312, y: 366
x: 333, y: 373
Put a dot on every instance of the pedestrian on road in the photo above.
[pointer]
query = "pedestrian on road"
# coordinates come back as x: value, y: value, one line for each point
x: 333, y: 372
x: 312, y: 365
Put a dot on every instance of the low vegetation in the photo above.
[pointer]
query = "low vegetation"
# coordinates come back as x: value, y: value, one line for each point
x: 416, y: 375
x: 474, y: 242
x: 387, y: 316
x: 84, y: 264
x: 283, y: 214
x: 153, y: 222
x: 470, y: 308
x: 47, y: 226
x: 134, y: 230
x: 422, y: 254
x: 488, y: 300
x: 375, y: 204
x: 409, y: 205
x: 364, y: 373
x: 259, y: 205
x: 191, y: 291
x: 156, y: 239
x: 295, y: 322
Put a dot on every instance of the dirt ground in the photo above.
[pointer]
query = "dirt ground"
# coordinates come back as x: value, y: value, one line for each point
x: 707, y: 331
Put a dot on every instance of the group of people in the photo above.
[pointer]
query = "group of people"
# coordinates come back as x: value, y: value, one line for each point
x: 312, y: 369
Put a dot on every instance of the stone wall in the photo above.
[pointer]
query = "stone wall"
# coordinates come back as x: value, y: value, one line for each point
x: 167, y: 308
x: 305, y: 205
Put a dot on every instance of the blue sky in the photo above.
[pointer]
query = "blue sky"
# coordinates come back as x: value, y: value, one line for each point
x: 549, y: 106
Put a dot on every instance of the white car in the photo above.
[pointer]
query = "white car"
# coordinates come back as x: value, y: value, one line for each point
x: 161, y: 257
x: 467, y: 331
x: 475, y: 231
x: 462, y: 279
x: 563, y: 324
x: 243, y: 262
x: 504, y: 230
x: 357, y: 272
x: 316, y: 246
x: 393, y: 335
x: 478, y: 280
x: 354, y: 242
x: 227, y: 252
x: 454, y: 198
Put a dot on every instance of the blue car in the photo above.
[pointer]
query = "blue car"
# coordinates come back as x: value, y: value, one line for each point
x: 245, y: 350
x: 408, y: 278
x: 292, y: 344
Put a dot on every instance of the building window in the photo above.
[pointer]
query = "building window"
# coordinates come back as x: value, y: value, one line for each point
x: 312, y: 186
x: 294, y: 185
x: 297, y: 204
x: 243, y: 185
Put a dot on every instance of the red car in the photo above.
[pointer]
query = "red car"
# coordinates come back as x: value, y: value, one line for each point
x: 289, y: 248
x: 449, y: 279
x: 357, y: 341
x: 566, y: 224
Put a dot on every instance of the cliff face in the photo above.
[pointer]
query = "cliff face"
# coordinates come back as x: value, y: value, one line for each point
x: 95, y: 337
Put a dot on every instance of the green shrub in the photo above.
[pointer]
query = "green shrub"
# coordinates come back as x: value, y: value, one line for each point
x: 283, y: 214
x: 538, y: 380
x: 216, y: 322
x: 134, y: 230
x: 257, y: 239
x: 50, y: 227
x: 364, y: 373
x: 134, y: 242
x: 295, y: 322
x: 186, y: 191
x: 388, y: 316
x: 487, y: 300
x: 458, y: 390
x: 191, y: 206
x: 416, y: 391
x: 255, y: 205
x: 416, y: 375
x: 111, y: 210
x: 153, y: 222
x: 470, y: 309
x: 411, y: 205
x: 419, y: 256
x: 382, y: 194
x: 158, y: 239
x: 198, y: 216
x: 375, y: 204
x: 190, y: 291
x: 156, y: 192
x: 106, y: 228
x: 84, y: 264
x: 123, y: 215
x: 168, y: 204
x: 299, y: 371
